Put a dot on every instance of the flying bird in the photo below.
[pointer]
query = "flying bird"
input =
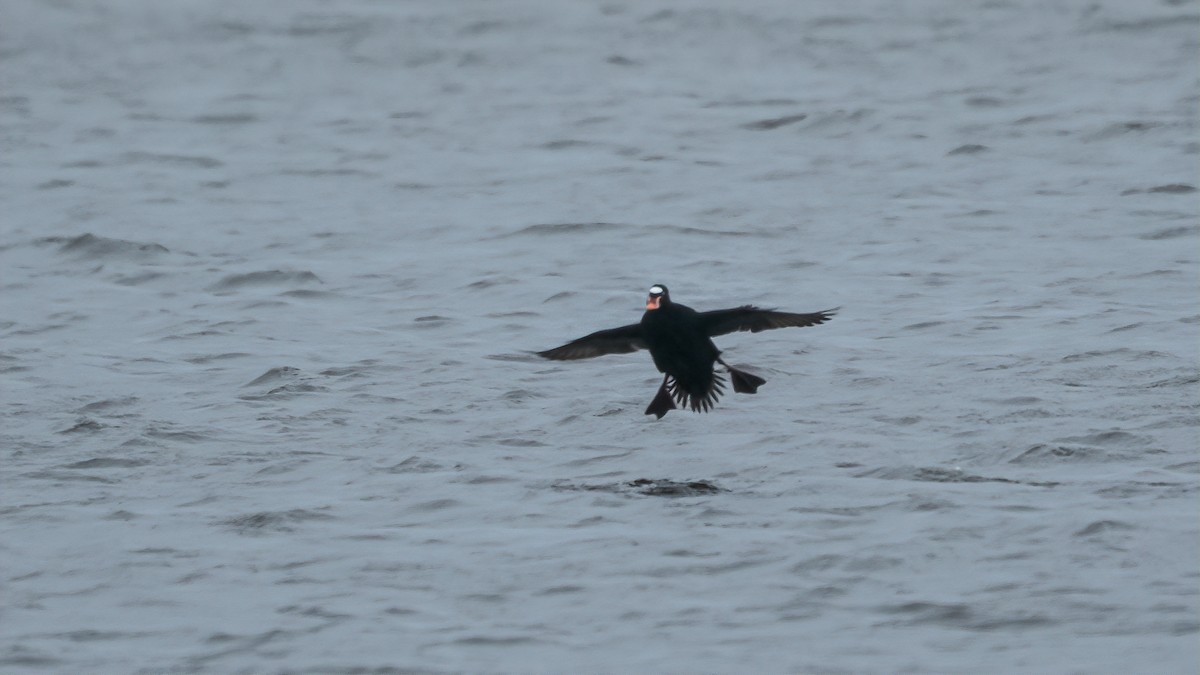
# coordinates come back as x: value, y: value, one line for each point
x: 680, y: 342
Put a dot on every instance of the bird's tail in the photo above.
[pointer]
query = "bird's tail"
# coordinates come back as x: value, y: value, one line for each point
x: 700, y: 397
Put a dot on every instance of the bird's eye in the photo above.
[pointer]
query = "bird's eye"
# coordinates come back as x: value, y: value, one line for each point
x: 656, y: 290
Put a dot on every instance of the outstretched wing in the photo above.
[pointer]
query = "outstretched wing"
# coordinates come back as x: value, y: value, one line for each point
x: 755, y: 320
x: 621, y: 340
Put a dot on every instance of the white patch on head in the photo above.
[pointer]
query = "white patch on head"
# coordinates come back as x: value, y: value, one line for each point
x: 657, y: 290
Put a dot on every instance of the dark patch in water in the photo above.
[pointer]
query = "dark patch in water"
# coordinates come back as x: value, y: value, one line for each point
x: 309, y: 25
x: 1173, y: 189
x: 23, y: 657
x: 67, y: 476
x: 569, y: 228
x: 308, y: 294
x: 670, y: 488
x: 321, y: 173
x: 209, y: 358
x: 229, y: 118
x: 108, y: 404
x: 1169, y: 189
x: 959, y: 616
x: 1180, y: 381
x: 167, y: 433
x: 929, y: 612
x: 137, y: 279
x: 493, y: 281
x: 1172, y: 233
x: 775, y: 122
x: 434, y: 505
x: 266, y: 278
x: 1109, y: 438
x: 285, y: 392
x: 652, y: 487
x: 173, y: 160
x: 968, y: 149
x: 97, y: 635
x: 55, y: 184
x: 1147, y: 24
x: 91, y: 246
x: 1107, y: 446
x: 275, y: 375
x: 272, y: 521
x: 984, y: 102
x: 1102, y: 526
x: 564, y: 144
x: 751, y: 103
x: 107, y: 463
x: 486, y: 641
x: 941, y: 475
x: 1121, y: 128
x: 85, y: 425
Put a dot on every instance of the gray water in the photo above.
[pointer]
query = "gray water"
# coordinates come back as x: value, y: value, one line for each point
x: 271, y: 274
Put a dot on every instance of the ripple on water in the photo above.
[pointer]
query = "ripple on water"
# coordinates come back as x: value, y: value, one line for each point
x: 661, y: 487
x: 959, y: 616
x: 107, y: 463
x: 91, y: 247
x: 266, y: 278
x: 272, y: 522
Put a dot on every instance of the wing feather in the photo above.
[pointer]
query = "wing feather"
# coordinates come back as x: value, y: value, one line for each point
x: 756, y: 320
x: 621, y: 340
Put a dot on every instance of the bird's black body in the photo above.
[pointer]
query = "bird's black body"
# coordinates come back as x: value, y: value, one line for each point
x: 680, y: 341
x: 681, y: 348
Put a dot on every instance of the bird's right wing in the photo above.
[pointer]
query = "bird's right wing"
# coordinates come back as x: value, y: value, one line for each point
x: 621, y: 340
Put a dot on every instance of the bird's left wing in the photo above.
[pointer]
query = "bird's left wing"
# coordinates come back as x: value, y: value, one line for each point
x: 755, y: 319
x: 621, y: 340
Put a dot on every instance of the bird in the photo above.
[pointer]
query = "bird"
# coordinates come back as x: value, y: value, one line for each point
x: 680, y: 342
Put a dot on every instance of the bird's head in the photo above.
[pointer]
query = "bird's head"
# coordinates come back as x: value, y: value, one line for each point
x: 659, y: 297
